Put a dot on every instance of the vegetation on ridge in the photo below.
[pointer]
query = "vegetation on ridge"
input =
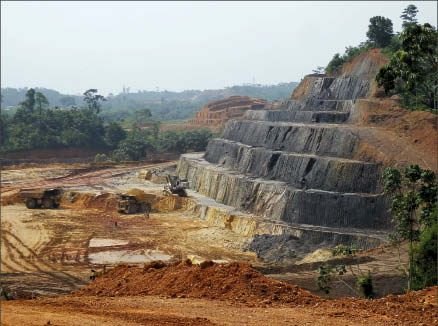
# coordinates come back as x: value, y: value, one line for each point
x: 414, y: 211
x: 411, y: 72
x: 380, y: 34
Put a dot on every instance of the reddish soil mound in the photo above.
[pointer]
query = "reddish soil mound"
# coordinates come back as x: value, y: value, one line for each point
x: 237, y: 282
x: 240, y: 283
x: 414, y: 308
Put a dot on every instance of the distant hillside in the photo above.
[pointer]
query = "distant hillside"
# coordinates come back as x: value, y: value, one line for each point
x: 13, y: 96
x: 164, y: 105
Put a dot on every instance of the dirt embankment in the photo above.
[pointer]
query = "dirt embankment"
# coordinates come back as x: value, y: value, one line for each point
x: 237, y: 282
x: 365, y: 65
x: 397, y: 136
x: 105, y: 202
x: 108, y: 202
x: 60, y: 155
x: 241, y: 284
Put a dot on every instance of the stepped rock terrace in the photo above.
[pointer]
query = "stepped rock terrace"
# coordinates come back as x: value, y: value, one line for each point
x: 296, y: 166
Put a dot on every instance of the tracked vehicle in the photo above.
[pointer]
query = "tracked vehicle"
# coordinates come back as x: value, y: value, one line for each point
x: 45, y: 198
x: 175, y: 186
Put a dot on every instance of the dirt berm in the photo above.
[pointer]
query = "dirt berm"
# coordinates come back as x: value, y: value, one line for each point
x: 237, y: 282
x: 241, y: 284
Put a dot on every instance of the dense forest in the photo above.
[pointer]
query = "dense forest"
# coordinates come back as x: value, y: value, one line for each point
x: 164, y: 105
x: 36, y: 125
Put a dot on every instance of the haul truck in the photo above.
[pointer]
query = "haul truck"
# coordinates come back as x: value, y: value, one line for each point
x: 46, y: 198
x: 135, y: 201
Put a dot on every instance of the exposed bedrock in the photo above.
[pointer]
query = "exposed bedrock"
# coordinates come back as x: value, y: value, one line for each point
x: 277, y: 200
x: 312, y: 104
x: 302, y: 171
x: 298, y: 116
x: 320, y: 139
x: 277, y: 241
x: 295, y: 166
x: 285, y: 248
x: 331, y: 88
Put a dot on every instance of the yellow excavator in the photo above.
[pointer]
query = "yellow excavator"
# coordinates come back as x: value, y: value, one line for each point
x: 175, y: 186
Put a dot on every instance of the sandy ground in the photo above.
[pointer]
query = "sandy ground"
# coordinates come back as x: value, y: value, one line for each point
x: 52, y: 252
x: 48, y: 252
x: 154, y: 310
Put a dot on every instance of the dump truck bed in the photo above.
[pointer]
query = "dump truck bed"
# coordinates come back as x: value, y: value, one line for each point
x: 140, y: 195
x: 38, y: 193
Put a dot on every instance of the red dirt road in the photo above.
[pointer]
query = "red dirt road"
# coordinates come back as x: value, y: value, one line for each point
x: 155, y: 310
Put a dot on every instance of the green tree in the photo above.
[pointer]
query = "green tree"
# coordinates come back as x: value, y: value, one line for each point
x: 413, y: 201
x: 143, y: 115
x: 119, y: 156
x: 319, y: 70
x: 100, y: 158
x: 411, y: 71
x: 335, y: 63
x: 425, y: 258
x: 197, y: 140
x: 29, y: 102
x: 136, y: 145
x: 364, y: 283
x: 114, y: 134
x: 409, y: 16
x: 3, y: 128
x: 380, y: 31
x: 156, y: 129
x: 41, y: 101
x: 93, y: 100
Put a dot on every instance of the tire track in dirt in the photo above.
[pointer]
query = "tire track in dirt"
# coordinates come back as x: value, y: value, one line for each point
x: 85, y: 177
x: 69, y: 279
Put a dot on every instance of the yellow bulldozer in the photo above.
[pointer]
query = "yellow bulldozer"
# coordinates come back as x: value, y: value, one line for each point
x: 135, y: 201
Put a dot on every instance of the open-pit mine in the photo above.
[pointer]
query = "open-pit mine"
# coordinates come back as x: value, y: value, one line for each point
x: 266, y: 203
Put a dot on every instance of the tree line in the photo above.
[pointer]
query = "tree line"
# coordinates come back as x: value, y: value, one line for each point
x: 165, y: 105
x: 138, y: 142
x: 36, y: 125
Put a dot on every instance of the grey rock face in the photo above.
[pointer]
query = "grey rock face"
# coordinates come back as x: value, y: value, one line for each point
x: 304, y: 171
x: 278, y: 200
x: 348, y: 88
x: 294, y: 166
x: 298, y: 116
x: 315, y: 139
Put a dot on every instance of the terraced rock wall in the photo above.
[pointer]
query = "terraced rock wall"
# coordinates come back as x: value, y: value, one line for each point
x: 217, y: 113
x: 295, y: 164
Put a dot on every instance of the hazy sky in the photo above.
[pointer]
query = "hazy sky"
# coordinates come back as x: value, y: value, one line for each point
x: 73, y: 46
